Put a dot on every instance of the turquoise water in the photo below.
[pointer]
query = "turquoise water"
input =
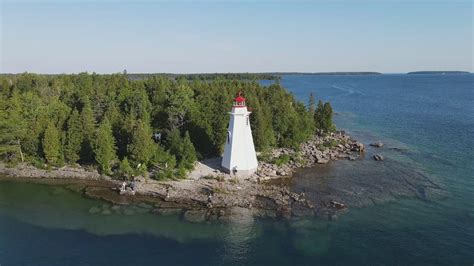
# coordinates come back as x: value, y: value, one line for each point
x: 426, y: 123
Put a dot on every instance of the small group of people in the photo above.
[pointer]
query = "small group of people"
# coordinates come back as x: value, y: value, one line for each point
x: 128, y: 184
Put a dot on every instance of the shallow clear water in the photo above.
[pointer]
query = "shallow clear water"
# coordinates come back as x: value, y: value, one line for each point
x: 426, y: 123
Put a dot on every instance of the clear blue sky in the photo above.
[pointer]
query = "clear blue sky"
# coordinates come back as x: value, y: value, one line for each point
x: 232, y: 36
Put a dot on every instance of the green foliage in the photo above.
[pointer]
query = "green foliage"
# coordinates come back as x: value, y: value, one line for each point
x: 104, y: 147
x: 190, y: 113
x: 52, y: 144
x: 125, y: 171
x: 331, y: 144
x: 12, y: 125
x: 89, y: 126
x: 74, y: 137
x: 188, y: 153
x: 323, y: 117
x: 141, y: 147
x: 183, y: 149
x: 282, y: 160
x: 265, y: 157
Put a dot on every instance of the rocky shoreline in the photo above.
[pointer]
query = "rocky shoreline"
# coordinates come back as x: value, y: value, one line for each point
x: 216, y: 197
x: 319, y: 150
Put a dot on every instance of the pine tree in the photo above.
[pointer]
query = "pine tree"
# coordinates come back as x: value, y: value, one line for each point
x: 140, y: 149
x: 125, y: 170
x: 188, y: 153
x: 52, y: 144
x: 328, y: 124
x: 88, y: 125
x: 74, y: 137
x: 173, y: 142
x: 104, y: 147
x: 12, y: 126
x: 318, y: 116
x: 323, y: 117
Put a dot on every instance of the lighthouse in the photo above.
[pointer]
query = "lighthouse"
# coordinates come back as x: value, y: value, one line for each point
x: 239, y: 157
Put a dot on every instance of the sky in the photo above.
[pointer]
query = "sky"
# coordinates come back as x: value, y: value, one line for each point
x: 235, y: 36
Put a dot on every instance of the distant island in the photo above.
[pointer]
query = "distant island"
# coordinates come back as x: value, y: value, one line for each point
x: 436, y: 72
x: 324, y: 73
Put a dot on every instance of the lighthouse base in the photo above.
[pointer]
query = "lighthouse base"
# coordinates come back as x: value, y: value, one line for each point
x: 240, y: 173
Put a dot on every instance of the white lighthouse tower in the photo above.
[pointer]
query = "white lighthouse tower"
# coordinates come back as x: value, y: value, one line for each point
x: 239, y: 157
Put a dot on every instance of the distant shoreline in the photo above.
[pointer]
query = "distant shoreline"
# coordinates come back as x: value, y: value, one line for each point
x: 437, y: 72
x: 246, y: 75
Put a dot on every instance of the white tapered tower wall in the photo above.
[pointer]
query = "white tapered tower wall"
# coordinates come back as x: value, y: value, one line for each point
x: 239, y: 150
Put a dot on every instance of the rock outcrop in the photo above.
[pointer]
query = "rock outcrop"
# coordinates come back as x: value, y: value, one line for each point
x: 321, y: 149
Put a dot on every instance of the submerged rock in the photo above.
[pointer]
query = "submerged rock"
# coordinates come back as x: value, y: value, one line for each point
x: 195, y: 216
x: 378, y: 157
x: 128, y: 211
x: 377, y: 144
x: 94, y: 210
x: 337, y: 205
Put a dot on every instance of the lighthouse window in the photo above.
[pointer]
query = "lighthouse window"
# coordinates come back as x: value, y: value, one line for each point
x: 247, y: 120
x: 228, y: 136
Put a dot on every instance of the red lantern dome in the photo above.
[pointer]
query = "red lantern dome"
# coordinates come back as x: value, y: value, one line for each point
x: 239, y: 101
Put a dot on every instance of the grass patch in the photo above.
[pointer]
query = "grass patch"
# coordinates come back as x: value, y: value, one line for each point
x: 282, y: 160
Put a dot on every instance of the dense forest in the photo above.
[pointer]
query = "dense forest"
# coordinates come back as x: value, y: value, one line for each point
x: 157, y: 124
x: 209, y: 76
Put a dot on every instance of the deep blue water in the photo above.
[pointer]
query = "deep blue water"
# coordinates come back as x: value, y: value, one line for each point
x: 426, y: 123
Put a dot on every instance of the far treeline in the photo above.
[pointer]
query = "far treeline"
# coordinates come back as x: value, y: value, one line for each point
x: 125, y: 127
x: 208, y: 76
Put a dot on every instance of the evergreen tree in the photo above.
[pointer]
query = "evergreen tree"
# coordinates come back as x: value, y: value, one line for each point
x: 163, y: 161
x: 327, y: 111
x: 88, y: 125
x: 323, y: 117
x: 173, y: 142
x: 125, y: 170
x: 179, y: 105
x: 104, y: 146
x: 141, y: 147
x: 182, y: 148
x: 318, y: 116
x: 135, y: 108
x: 188, y: 153
x: 52, y: 144
x: 12, y: 126
x: 74, y: 137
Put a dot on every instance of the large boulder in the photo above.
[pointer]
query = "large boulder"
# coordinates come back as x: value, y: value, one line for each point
x: 357, y: 146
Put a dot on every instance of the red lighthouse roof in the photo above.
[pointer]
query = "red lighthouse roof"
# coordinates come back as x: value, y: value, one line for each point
x: 239, y: 101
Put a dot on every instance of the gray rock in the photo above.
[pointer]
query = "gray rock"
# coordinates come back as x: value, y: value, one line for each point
x: 378, y: 157
x: 322, y: 161
x: 377, y: 144
x: 358, y: 147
